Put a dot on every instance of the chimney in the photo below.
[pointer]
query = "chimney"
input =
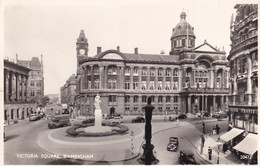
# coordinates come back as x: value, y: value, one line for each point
x: 118, y: 48
x: 136, y: 50
x: 99, y: 50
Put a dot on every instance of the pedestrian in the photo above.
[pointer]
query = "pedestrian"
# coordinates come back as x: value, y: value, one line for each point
x: 203, y: 128
x: 202, y: 140
x: 225, y: 147
x: 217, y: 128
x: 209, y: 152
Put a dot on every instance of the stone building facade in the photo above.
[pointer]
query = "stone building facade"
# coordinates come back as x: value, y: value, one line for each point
x: 190, y: 79
x: 68, y: 91
x: 36, y: 79
x: 243, y: 60
x: 16, y: 97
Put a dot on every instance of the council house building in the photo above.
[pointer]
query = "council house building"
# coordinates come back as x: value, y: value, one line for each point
x: 190, y: 79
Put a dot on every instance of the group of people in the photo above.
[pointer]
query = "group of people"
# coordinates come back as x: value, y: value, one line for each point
x: 215, y: 129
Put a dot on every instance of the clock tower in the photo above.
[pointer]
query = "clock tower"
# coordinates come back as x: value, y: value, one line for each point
x: 82, y: 48
x: 82, y: 44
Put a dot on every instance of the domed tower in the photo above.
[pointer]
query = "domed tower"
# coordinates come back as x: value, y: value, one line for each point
x: 182, y: 36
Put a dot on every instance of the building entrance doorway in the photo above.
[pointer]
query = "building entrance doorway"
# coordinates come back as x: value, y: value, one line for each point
x: 112, y: 111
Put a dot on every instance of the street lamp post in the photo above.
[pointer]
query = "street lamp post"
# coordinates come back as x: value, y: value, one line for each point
x: 218, y: 144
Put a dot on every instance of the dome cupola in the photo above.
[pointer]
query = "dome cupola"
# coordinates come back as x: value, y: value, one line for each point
x: 182, y: 35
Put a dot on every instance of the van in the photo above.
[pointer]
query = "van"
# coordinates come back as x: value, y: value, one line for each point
x: 59, y: 121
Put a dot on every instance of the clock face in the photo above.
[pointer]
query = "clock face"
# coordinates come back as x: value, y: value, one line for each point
x: 82, y: 51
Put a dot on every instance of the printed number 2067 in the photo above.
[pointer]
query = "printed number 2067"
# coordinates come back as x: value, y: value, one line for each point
x: 245, y: 157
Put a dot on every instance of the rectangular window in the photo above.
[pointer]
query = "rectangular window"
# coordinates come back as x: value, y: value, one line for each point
x: 111, y: 98
x: 168, y: 99
x: 89, y: 84
x: 96, y: 84
x: 160, y: 109
x: 143, y: 85
x: 135, y: 85
x: 152, y: 72
x: 159, y: 85
x: 144, y: 99
x: 135, y: 109
x: 152, y: 98
x: 151, y: 85
x: 160, y: 72
x: 127, y: 85
x: 127, y: 99
x: 175, y: 73
x: 168, y: 108
x: 168, y: 72
x: 135, y: 99
x: 127, y: 71
x: 112, y: 71
x: 175, y: 99
x: 136, y: 71
x: 32, y: 83
x: 127, y: 108
x: 96, y: 70
x: 167, y: 85
x: 160, y: 99
x: 144, y: 72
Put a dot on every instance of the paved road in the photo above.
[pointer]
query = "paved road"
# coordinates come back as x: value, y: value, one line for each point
x: 22, y: 139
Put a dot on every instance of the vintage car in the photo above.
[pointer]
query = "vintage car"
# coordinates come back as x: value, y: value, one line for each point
x: 187, y: 157
x: 182, y: 116
x: 59, y: 121
x: 34, y: 117
x: 116, y: 119
x: 173, y: 144
x: 138, y: 119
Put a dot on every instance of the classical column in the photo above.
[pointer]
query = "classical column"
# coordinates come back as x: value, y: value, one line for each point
x: 211, y: 81
x: 18, y: 80
x: 206, y: 103
x: 156, y: 79
x: 203, y: 103
x: 164, y: 78
x: 189, y: 104
x: 222, y: 104
x: 122, y: 77
x: 7, y: 77
x: 26, y: 88
x: 171, y: 79
x: 101, y: 76
x: 139, y: 78
x: 164, y: 103
x: 214, y: 104
x: 235, y: 91
x: 180, y: 78
x: 131, y: 77
x: 105, y: 76
x: 22, y: 87
x: 92, y: 76
x: 148, y: 78
x: 249, y: 81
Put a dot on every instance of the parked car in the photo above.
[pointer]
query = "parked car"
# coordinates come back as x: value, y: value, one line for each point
x: 59, y: 121
x: 173, y: 144
x: 187, y: 157
x: 181, y: 116
x: 204, y: 114
x: 219, y: 115
x: 33, y: 117
x: 89, y: 120
x: 116, y: 120
x: 138, y: 119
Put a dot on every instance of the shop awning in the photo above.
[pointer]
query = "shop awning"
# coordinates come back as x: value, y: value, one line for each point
x: 231, y: 134
x: 248, y: 145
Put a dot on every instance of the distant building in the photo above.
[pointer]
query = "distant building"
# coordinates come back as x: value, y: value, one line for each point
x: 243, y: 60
x: 17, y: 105
x: 190, y: 79
x: 68, y: 91
x: 54, y: 98
x: 36, y: 79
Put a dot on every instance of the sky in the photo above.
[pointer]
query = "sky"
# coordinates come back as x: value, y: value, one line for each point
x: 51, y: 28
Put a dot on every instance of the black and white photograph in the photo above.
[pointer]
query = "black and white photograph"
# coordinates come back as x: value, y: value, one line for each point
x: 129, y: 82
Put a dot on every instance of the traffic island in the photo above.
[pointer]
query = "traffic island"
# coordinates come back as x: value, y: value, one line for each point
x: 111, y: 129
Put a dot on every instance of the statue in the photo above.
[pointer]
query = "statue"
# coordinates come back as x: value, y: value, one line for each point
x: 97, y: 101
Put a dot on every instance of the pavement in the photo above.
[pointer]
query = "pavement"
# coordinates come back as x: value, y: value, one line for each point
x: 211, y: 141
